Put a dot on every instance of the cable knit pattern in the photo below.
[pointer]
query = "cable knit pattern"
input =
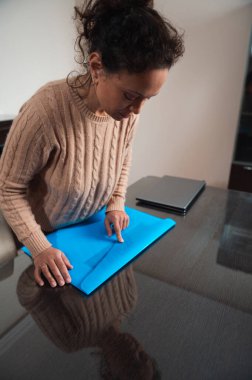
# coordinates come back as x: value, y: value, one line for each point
x: 111, y: 166
x: 95, y: 174
x: 61, y: 163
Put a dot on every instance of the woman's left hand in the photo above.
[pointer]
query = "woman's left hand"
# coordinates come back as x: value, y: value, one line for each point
x: 120, y: 221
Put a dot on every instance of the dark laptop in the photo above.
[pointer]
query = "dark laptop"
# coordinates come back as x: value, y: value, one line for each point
x: 172, y: 193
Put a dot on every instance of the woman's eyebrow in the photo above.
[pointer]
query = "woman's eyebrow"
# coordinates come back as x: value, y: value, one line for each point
x: 138, y: 93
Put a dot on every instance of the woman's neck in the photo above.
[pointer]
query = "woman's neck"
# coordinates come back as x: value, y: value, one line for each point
x: 88, y: 94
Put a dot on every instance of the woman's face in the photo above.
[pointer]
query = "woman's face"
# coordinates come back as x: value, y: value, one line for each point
x: 122, y: 93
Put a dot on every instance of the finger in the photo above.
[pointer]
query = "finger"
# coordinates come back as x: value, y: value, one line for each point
x: 56, y: 273
x: 66, y: 261
x: 121, y: 220
x: 37, y: 276
x: 108, y: 228
x: 63, y: 269
x: 48, y: 275
x: 118, y: 232
x: 125, y: 223
x: 128, y: 221
x: 122, y: 224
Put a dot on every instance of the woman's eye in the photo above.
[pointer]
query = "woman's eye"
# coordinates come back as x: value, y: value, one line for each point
x: 129, y: 97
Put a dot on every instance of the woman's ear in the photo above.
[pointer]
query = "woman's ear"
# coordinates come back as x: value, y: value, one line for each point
x: 95, y: 66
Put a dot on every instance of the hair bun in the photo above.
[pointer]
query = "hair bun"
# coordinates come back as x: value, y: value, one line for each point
x: 119, y: 4
x: 139, y: 3
x: 128, y: 34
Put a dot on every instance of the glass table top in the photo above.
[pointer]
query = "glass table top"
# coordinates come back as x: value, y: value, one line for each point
x: 182, y: 310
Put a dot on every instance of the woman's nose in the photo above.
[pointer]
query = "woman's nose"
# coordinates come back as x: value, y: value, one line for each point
x: 137, y: 105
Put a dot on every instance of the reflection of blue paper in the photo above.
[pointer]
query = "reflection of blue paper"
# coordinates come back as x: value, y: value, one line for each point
x: 95, y: 256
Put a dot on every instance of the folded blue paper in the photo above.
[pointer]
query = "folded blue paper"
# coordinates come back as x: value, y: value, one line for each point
x: 95, y: 256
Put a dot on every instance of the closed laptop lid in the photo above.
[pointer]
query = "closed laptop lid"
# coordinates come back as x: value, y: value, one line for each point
x: 174, y: 193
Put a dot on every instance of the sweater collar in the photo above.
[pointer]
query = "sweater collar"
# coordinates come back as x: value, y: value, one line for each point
x: 80, y: 103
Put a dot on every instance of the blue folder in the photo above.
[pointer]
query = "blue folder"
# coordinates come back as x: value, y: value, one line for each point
x: 95, y: 256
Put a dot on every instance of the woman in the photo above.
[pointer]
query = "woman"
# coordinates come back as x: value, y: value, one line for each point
x: 68, y: 152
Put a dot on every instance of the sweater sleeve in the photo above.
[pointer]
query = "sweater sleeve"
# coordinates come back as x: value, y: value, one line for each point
x: 117, y: 200
x: 25, y: 153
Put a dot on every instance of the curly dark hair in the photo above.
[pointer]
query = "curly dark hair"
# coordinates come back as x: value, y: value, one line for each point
x: 129, y: 34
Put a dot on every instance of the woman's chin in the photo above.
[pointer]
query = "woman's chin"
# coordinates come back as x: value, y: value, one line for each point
x: 118, y: 116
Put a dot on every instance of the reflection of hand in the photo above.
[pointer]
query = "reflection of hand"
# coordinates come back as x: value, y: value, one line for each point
x: 53, y: 264
x: 120, y: 221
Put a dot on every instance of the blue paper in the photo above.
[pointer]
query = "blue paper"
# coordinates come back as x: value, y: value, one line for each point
x: 95, y: 256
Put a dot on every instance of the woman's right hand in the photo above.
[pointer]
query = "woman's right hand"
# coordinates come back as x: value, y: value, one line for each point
x: 54, y: 265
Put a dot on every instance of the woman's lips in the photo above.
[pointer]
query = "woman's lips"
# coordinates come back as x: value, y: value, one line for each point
x: 119, y: 115
x: 124, y: 115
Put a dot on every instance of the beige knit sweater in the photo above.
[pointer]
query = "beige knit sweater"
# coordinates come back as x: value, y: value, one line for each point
x: 61, y: 163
